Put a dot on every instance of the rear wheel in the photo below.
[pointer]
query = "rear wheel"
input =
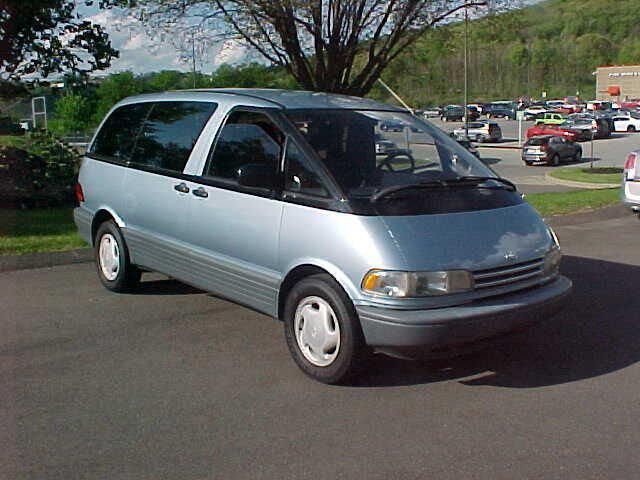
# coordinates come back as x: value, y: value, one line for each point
x: 323, y: 331
x: 631, y: 128
x: 112, y: 259
x: 578, y: 156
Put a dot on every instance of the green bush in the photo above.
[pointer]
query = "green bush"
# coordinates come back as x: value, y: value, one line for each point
x: 42, y: 173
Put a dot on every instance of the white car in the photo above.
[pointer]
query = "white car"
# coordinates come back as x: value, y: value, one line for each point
x: 631, y: 181
x: 480, y: 132
x: 534, y: 110
x: 626, y: 124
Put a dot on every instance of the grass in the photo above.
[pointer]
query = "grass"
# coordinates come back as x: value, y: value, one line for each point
x: 548, y: 204
x: 12, y: 141
x: 588, y: 175
x: 38, y: 230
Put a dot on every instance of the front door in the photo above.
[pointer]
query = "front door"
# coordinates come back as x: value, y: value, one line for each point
x: 234, y: 228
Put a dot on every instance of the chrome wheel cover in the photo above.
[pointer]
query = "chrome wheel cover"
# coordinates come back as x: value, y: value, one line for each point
x: 317, y: 331
x: 109, y: 257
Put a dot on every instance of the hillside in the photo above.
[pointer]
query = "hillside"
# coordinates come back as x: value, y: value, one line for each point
x: 552, y: 46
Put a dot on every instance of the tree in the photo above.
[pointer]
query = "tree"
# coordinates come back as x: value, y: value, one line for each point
x: 113, y: 89
x: 45, y: 36
x: 338, y: 46
x: 72, y: 115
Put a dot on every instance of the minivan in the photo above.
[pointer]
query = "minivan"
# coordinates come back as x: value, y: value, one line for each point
x: 278, y: 200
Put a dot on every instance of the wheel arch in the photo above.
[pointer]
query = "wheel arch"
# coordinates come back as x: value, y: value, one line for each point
x: 307, y: 269
x: 102, y: 215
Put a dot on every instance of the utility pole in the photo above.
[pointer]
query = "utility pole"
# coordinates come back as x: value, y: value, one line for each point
x: 466, y: 73
x: 193, y: 57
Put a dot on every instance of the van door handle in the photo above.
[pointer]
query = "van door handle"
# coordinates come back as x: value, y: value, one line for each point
x: 200, y: 192
x: 181, y: 187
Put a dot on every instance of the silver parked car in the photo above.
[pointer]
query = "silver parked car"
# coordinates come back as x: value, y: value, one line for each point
x: 279, y: 200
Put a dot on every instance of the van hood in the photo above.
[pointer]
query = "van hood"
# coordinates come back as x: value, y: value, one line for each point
x: 470, y: 240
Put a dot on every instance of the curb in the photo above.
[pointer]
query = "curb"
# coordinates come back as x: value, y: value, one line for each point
x: 570, y: 183
x: 500, y: 147
x: 45, y: 259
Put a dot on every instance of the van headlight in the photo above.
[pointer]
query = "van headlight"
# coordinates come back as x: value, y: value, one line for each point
x: 552, y: 262
x: 393, y: 283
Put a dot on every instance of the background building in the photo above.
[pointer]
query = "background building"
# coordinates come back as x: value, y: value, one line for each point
x: 618, y: 83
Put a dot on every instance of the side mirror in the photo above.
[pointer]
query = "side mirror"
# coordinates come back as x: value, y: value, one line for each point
x: 256, y: 175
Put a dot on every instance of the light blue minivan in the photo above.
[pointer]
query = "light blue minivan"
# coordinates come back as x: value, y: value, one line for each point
x: 282, y: 201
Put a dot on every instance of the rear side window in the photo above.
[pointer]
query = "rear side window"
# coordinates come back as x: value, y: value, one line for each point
x: 169, y: 134
x: 118, y: 134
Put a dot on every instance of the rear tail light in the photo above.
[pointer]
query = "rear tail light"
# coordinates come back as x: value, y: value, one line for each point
x: 79, y: 193
x: 630, y: 166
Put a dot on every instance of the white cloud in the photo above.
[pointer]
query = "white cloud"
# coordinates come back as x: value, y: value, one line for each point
x: 140, y: 53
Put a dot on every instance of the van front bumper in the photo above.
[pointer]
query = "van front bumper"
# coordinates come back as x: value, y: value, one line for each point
x: 451, y: 326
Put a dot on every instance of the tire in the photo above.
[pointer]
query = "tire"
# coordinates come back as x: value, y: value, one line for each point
x: 631, y: 128
x: 578, y: 156
x: 114, y: 269
x: 555, y: 160
x: 327, y: 365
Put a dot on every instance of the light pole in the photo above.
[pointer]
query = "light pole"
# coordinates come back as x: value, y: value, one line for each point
x: 466, y: 73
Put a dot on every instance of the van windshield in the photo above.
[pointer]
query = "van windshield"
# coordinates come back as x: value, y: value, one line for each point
x: 348, y: 142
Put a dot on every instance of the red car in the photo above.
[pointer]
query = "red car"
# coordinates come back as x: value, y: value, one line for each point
x: 631, y: 104
x: 543, y: 129
x: 568, y: 109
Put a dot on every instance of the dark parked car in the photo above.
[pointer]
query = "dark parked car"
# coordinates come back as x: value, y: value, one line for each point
x: 550, y: 149
x: 473, y: 114
x: 391, y: 126
x: 493, y: 111
x: 453, y: 113
x: 385, y: 146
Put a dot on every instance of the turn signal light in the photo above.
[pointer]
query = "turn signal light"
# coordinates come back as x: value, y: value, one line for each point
x: 631, y: 162
x: 79, y: 193
x: 630, y: 171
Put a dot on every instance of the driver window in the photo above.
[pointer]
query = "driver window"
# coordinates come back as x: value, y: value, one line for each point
x: 247, y: 138
x: 299, y: 174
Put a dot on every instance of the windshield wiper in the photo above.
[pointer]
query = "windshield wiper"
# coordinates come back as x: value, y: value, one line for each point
x: 397, y: 188
x: 477, y: 180
x: 459, y: 181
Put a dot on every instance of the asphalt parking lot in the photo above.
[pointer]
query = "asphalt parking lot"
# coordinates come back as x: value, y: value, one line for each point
x: 610, y: 152
x: 175, y: 383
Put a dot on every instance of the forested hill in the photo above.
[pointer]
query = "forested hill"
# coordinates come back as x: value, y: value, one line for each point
x: 552, y: 46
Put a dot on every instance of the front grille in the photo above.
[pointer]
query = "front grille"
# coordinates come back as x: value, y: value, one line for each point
x: 509, y: 274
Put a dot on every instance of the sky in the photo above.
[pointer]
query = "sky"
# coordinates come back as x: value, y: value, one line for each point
x: 141, y: 53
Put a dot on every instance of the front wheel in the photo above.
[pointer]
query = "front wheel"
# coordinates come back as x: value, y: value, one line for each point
x: 112, y: 259
x: 323, y: 331
x: 555, y: 160
x: 631, y: 128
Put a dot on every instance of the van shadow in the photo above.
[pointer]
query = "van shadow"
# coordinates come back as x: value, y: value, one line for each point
x: 597, y: 333
x: 167, y: 286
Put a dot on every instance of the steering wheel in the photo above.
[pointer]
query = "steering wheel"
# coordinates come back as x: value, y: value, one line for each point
x: 387, y: 163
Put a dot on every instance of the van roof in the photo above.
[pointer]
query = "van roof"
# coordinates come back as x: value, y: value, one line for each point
x: 265, y: 97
